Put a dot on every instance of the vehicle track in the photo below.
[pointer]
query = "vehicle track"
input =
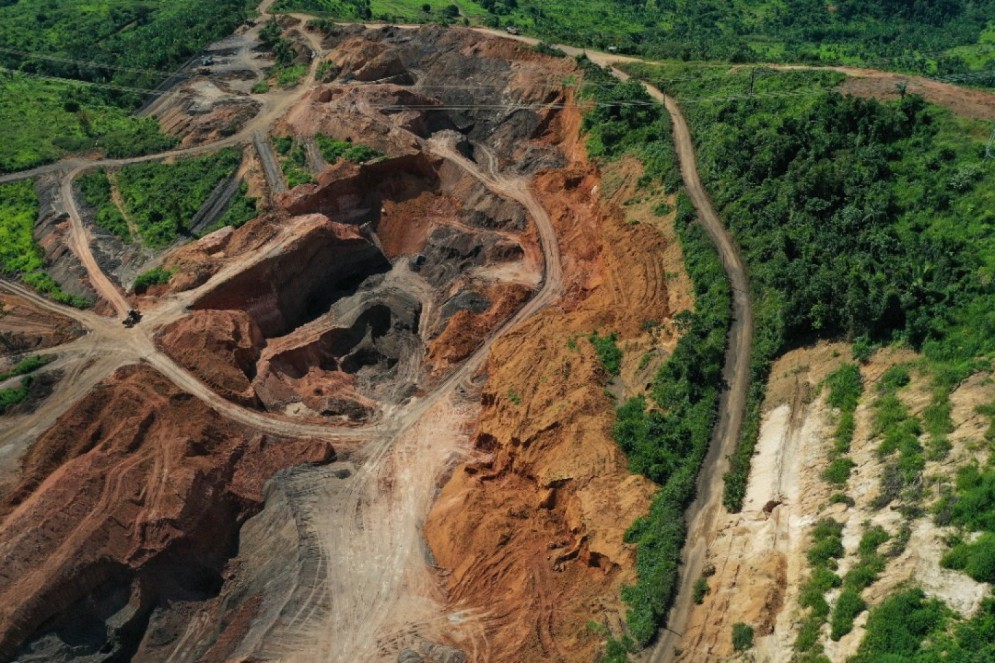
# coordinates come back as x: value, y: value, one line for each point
x: 271, y: 167
x: 369, y: 526
x: 702, y: 513
x: 378, y: 465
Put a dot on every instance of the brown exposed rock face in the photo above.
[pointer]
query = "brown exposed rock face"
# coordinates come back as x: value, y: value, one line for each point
x: 533, y: 535
x: 302, y: 278
x: 219, y: 347
x: 133, y: 500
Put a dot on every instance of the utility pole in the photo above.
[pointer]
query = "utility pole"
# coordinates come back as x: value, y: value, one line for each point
x: 753, y: 79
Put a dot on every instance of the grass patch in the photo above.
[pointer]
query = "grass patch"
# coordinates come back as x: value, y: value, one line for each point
x: 291, y: 76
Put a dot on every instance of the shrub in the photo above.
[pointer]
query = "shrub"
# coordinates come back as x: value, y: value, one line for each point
x: 848, y: 606
x: 608, y: 351
x: 838, y: 471
x: 700, y: 590
x: 29, y: 365
x: 827, y: 543
x: 976, y: 559
x: 896, y: 628
x: 742, y: 636
x: 155, y: 276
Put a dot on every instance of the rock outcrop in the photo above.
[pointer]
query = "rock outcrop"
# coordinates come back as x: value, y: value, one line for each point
x: 297, y: 281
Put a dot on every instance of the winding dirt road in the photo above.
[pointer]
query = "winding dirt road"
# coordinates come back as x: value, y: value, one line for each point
x: 375, y: 590
x: 707, y: 505
x: 702, y: 514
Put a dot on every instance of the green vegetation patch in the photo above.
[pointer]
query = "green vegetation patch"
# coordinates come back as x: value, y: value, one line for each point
x: 908, y: 627
x: 897, y: 627
x: 742, y: 636
x: 96, y: 190
x: 12, y: 396
x: 608, y: 351
x: 867, y: 569
x: 25, y: 366
x: 163, y: 198
x: 20, y: 255
x: 41, y: 121
x: 154, y: 276
x: 845, y: 387
x: 898, y: 431
x: 293, y: 160
x: 856, y: 218
x: 972, y: 507
x: 241, y: 209
x: 827, y: 548
x: 124, y: 43
x: 332, y: 150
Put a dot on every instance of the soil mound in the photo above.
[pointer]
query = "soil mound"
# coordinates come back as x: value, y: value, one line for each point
x: 131, y: 502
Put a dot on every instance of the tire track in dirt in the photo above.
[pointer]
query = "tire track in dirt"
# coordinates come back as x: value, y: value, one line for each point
x: 378, y: 589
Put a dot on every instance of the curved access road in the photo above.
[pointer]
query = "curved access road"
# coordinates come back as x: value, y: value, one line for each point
x: 702, y: 514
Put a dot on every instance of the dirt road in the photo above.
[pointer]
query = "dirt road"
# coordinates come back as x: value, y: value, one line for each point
x: 707, y: 505
x: 366, y: 585
x: 703, y: 512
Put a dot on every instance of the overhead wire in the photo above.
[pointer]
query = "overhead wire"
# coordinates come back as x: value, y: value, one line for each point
x: 396, y: 106
x: 86, y: 63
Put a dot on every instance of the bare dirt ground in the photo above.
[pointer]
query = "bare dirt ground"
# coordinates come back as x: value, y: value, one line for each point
x: 388, y: 491
x: 758, y: 554
x: 380, y: 592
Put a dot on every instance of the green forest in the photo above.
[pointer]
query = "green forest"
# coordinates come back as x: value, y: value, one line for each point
x: 125, y: 43
x: 857, y: 219
x: 936, y: 37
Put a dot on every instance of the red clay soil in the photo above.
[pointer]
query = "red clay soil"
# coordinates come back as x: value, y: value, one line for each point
x: 219, y: 347
x: 25, y: 327
x: 465, y: 331
x: 138, y: 489
x: 531, y: 537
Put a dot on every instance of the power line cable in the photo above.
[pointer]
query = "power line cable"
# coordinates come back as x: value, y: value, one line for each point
x: 86, y: 63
